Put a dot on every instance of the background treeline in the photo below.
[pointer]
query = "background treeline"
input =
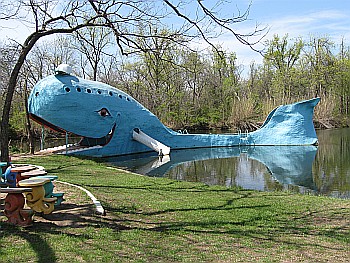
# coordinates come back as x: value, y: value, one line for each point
x: 194, y: 89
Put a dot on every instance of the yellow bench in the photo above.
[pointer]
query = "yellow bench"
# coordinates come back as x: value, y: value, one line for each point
x: 36, y: 199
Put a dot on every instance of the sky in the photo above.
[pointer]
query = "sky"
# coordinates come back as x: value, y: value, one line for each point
x: 297, y: 18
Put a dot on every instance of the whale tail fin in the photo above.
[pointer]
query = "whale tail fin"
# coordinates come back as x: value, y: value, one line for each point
x: 289, y: 125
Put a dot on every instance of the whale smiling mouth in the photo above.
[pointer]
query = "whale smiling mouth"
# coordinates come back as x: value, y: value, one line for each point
x: 90, y: 142
x: 84, y: 143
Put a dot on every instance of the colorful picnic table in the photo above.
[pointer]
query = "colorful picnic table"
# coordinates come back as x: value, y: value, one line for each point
x: 19, y: 170
x: 32, y: 173
x: 14, y: 206
x: 36, y: 200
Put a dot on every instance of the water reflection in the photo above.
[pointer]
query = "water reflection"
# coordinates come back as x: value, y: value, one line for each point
x: 331, y: 169
x: 260, y: 168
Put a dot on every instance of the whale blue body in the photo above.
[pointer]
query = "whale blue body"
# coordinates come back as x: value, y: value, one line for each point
x: 106, y: 117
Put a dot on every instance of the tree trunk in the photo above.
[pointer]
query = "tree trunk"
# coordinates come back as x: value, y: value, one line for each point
x: 5, y: 156
x: 4, y: 133
x: 30, y: 135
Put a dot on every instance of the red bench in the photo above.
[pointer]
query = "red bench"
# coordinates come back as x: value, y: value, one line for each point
x: 14, y: 206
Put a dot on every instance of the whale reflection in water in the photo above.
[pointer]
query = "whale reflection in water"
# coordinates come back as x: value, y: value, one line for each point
x: 259, y: 168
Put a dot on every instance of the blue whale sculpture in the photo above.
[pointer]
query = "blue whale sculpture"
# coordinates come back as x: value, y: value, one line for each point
x: 112, y: 123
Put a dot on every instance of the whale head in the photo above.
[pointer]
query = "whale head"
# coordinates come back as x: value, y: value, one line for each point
x: 66, y: 103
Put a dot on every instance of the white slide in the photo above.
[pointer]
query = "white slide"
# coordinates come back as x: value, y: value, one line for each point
x: 143, y: 138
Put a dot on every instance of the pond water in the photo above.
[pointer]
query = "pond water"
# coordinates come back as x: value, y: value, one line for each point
x: 322, y: 170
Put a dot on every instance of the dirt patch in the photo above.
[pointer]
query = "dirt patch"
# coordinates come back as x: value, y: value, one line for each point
x: 77, y: 210
x: 21, y: 156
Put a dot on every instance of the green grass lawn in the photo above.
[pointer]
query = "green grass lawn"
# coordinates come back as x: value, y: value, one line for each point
x: 162, y: 220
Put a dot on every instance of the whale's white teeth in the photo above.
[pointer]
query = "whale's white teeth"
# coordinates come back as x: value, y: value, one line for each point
x: 69, y: 149
x: 56, y: 148
x: 84, y: 144
x: 79, y: 149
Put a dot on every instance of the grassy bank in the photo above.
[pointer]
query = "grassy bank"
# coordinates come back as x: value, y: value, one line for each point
x: 160, y: 220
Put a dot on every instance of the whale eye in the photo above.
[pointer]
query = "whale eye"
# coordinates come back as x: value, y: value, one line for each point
x: 104, y: 112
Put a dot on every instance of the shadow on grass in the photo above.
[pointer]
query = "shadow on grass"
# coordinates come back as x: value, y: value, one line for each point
x: 42, y: 249
x: 68, y: 217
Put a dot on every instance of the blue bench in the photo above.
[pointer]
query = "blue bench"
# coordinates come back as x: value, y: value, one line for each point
x: 10, y: 177
x: 2, y: 179
x: 49, y: 189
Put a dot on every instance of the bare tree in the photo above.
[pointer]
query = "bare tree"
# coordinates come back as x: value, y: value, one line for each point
x: 123, y: 18
x: 45, y: 24
x: 92, y: 44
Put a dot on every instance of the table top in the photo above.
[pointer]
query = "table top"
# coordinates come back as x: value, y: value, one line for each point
x: 34, y: 173
x: 35, y: 181
x: 15, y: 190
x: 51, y: 177
x: 21, y: 169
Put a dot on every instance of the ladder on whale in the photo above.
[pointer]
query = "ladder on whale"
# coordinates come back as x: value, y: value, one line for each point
x: 243, y: 138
